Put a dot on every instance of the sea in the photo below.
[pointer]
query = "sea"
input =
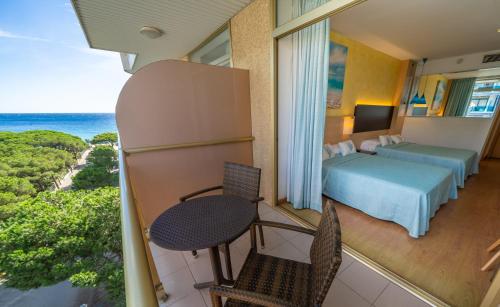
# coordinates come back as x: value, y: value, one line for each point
x: 84, y: 125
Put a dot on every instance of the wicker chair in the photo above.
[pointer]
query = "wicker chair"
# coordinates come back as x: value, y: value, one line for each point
x: 240, y: 180
x: 271, y: 281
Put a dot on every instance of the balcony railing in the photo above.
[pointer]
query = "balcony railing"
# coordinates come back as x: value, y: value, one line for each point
x: 139, y: 286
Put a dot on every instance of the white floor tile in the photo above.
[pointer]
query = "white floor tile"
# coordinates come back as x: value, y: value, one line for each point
x: 363, y: 281
x: 178, y: 285
x: 242, y: 244
x: 286, y: 251
x: 271, y: 239
x: 288, y: 235
x: 157, y: 251
x: 201, y: 268
x: 341, y: 295
x: 193, y: 300
x: 169, y: 262
x: 264, y: 208
x: 303, y: 242
x: 395, y: 296
x: 346, y: 262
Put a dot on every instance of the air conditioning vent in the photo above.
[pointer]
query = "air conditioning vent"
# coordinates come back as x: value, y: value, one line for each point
x: 491, y: 58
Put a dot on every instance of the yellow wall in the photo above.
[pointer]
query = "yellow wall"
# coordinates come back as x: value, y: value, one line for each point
x: 371, y: 77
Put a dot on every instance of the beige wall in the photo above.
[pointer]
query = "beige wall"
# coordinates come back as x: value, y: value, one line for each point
x: 170, y: 103
x: 251, y: 43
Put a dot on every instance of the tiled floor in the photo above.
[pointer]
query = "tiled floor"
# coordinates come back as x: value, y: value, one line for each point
x: 354, y: 285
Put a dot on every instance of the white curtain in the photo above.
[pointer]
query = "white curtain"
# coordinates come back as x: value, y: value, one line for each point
x: 310, y: 81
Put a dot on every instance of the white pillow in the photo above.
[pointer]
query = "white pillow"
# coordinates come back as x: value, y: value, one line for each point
x: 333, y: 150
x: 325, y: 154
x: 347, y: 148
x: 384, y: 140
x: 396, y: 139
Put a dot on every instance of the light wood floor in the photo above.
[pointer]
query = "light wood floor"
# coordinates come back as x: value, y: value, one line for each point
x: 446, y: 261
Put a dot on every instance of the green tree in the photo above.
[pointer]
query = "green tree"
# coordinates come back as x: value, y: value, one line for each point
x: 64, y: 235
x: 45, y: 138
x: 94, y: 177
x: 14, y: 189
x: 105, y: 138
x: 103, y: 156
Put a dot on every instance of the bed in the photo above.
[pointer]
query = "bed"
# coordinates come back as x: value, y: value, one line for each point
x: 462, y: 162
x: 404, y: 192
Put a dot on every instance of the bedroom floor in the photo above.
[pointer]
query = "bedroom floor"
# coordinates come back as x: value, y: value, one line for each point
x: 446, y: 262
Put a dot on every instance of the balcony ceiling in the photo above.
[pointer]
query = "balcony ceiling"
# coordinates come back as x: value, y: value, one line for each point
x: 423, y: 28
x: 114, y: 24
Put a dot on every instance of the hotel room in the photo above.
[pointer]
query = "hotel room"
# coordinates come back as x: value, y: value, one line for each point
x: 405, y: 144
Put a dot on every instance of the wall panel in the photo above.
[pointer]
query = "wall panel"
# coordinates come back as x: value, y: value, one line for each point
x: 251, y: 42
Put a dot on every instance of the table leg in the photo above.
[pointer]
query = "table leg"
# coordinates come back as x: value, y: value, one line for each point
x: 229, y: 268
x: 217, y: 271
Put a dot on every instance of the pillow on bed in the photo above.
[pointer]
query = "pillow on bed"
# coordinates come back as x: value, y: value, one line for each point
x: 333, y: 150
x: 325, y: 154
x: 347, y: 148
x: 396, y: 139
x: 369, y: 145
x: 384, y: 140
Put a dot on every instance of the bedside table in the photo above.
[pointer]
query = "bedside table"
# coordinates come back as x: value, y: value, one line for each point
x: 366, y: 152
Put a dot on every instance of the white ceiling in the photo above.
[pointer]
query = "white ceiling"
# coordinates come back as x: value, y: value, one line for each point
x: 414, y: 29
x: 115, y: 24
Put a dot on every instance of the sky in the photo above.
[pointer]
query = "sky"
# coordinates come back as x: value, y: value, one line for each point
x: 46, y: 65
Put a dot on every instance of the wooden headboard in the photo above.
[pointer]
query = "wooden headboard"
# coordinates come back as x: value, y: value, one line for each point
x: 334, y: 130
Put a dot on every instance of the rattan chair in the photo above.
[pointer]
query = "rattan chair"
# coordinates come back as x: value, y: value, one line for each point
x: 240, y: 180
x: 272, y: 281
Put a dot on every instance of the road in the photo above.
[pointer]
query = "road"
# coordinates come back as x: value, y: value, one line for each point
x: 67, y: 180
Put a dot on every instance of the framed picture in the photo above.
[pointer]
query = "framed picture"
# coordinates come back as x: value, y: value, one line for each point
x: 336, y: 73
x: 438, y: 95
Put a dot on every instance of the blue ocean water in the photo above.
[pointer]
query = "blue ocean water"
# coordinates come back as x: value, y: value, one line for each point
x: 84, y: 125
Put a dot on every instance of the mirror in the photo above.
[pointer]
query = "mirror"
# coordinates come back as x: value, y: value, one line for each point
x: 463, y: 94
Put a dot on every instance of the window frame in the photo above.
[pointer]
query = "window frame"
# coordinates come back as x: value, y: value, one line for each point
x: 210, y: 38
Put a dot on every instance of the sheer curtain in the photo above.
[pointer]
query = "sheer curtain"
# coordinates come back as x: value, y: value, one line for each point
x: 459, y: 97
x: 310, y: 48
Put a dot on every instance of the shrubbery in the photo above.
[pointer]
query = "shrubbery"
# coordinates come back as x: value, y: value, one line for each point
x: 41, y: 157
x: 105, y: 138
x: 100, y: 171
x: 64, y: 235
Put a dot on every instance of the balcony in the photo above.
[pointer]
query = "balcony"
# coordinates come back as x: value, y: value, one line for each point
x: 157, y: 167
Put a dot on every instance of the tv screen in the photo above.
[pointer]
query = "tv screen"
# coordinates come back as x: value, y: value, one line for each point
x: 372, y: 118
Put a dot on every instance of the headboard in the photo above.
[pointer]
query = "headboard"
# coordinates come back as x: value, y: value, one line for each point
x: 334, y: 130
x: 372, y: 118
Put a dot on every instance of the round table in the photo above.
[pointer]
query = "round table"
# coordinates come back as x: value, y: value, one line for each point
x: 204, y: 222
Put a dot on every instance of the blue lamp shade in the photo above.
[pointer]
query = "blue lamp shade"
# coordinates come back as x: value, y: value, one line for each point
x: 422, y: 99
x: 418, y: 100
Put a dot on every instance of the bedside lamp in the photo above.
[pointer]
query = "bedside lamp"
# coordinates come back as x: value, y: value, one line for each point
x: 348, y: 125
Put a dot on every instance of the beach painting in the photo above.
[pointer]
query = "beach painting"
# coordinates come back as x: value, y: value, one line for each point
x: 438, y: 95
x: 336, y: 72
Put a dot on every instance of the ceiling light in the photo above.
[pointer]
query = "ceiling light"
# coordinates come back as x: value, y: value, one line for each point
x: 498, y: 30
x: 151, y: 32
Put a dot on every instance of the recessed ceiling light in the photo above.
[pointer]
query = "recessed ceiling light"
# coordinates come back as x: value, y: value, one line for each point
x: 498, y: 30
x: 151, y: 32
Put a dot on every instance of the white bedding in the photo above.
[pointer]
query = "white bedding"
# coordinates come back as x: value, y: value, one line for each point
x: 369, y: 145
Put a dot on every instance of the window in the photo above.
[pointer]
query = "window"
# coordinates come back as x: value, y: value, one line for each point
x: 287, y: 10
x: 217, y: 51
x: 485, y: 98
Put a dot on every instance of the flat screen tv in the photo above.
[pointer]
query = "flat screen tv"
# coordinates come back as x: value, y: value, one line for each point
x: 372, y: 118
